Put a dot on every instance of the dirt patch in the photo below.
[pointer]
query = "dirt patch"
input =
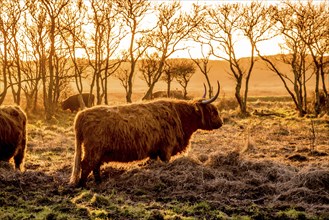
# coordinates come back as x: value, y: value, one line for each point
x: 297, y: 157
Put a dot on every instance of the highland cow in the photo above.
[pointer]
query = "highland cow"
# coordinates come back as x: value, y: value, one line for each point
x: 164, y: 94
x: 12, y: 135
x: 133, y: 132
x: 73, y: 103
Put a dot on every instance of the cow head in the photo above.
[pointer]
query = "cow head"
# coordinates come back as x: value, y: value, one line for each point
x: 210, y: 118
x: 64, y: 105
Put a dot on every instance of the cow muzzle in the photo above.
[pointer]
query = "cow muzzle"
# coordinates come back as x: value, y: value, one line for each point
x: 217, y: 123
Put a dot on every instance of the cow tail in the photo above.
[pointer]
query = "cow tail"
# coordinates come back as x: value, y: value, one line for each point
x: 75, y: 176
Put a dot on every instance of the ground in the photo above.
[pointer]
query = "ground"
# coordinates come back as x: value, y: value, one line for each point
x: 270, y: 165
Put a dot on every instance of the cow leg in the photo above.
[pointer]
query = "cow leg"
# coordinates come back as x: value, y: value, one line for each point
x: 97, y: 173
x: 4, y: 158
x: 86, y: 169
x: 153, y: 155
x: 165, y: 155
x: 19, y: 157
x: 6, y: 152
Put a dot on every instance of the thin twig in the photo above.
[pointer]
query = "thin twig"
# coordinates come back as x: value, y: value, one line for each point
x: 313, y: 137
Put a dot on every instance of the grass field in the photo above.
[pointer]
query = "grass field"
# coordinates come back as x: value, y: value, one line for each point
x: 271, y: 165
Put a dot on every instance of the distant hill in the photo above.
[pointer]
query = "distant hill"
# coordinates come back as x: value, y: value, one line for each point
x: 263, y: 82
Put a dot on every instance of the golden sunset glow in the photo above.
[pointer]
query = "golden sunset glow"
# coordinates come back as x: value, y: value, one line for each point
x: 164, y: 109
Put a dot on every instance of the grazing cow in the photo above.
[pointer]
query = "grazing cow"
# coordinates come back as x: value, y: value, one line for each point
x: 12, y: 135
x: 133, y: 132
x: 73, y: 103
x: 164, y: 94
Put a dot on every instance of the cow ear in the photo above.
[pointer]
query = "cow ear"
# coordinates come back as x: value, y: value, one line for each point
x: 197, y: 107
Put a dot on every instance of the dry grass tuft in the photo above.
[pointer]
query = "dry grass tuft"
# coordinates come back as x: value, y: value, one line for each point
x: 317, y: 179
x: 7, y: 172
x: 219, y: 160
x: 5, y: 166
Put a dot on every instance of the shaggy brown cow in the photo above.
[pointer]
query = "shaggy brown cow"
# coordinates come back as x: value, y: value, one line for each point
x: 12, y: 135
x: 73, y: 104
x: 164, y: 94
x: 133, y: 132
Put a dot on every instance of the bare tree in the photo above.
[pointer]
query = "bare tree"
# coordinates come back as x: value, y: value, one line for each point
x: 226, y: 21
x: 105, y: 37
x: 295, y: 83
x: 30, y: 83
x: 34, y: 69
x: 14, y: 12
x: 73, y: 36
x: 62, y: 69
x: 183, y: 71
x: 173, y: 27
x: 49, y: 10
x: 133, y: 13
x: 123, y: 75
x: 221, y: 25
x: 53, y: 9
x: 148, y: 67
x: 168, y: 75
x: 9, y: 17
x: 202, y: 64
x: 302, y: 29
x: 310, y: 21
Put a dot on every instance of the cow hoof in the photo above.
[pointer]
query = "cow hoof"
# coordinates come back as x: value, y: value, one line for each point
x: 98, y: 181
x: 81, y: 184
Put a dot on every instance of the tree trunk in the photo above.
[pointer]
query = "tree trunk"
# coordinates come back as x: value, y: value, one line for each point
x: 317, y: 107
x: 129, y: 91
x: 168, y: 86
x: 130, y: 85
x: 4, y: 71
x: 185, y: 91
x: 149, y: 93
x: 19, y: 74
x: 238, y: 97
x: 35, y: 101
x: 81, y: 102
x: 323, y: 79
x: 208, y: 81
x: 49, y: 100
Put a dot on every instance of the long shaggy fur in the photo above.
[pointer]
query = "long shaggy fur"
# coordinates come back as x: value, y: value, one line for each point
x: 73, y: 103
x: 132, y: 132
x: 164, y: 94
x: 13, y: 135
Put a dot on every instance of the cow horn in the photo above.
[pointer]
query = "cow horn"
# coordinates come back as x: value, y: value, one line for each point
x: 213, y: 98
x: 205, y: 91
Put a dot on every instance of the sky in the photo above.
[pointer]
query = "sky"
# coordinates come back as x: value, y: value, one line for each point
x: 242, y: 47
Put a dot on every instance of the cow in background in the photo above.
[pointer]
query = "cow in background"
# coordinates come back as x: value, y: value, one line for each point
x: 176, y: 94
x: 13, y: 135
x: 73, y: 103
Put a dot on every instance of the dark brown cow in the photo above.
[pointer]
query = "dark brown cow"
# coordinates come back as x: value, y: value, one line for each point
x: 133, y: 132
x: 12, y: 135
x: 164, y: 94
x: 73, y: 104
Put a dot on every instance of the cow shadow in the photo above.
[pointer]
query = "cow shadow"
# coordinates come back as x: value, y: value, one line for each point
x: 218, y: 179
x: 221, y: 178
